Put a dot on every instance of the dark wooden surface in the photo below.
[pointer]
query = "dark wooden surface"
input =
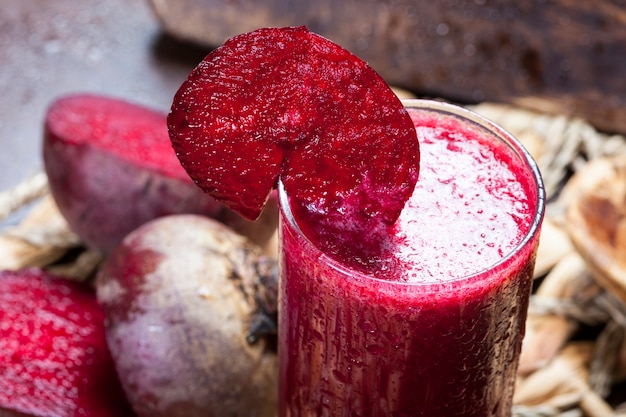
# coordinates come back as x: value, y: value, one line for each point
x: 529, y: 51
x: 53, y: 47
x: 558, y: 56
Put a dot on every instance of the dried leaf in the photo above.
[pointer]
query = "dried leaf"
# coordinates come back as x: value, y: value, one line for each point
x: 554, y: 245
x: 40, y: 239
x: 596, y: 220
x: 547, y: 332
x: 563, y: 377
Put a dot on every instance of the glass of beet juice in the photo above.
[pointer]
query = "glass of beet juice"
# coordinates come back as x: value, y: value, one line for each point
x: 432, y: 325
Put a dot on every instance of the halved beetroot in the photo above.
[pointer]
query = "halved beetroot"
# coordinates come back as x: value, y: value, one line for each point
x: 111, y: 168
x: 285, y: 102
x: 54, y: 360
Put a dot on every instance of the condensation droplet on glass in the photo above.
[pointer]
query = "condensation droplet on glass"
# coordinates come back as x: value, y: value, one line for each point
x: 95, y: 54
x: 442, y: 29
x: 469, y: 50
x: 52, y: 47
x: 204, y: 291
x: 449, y: 49
x: 365, y: 29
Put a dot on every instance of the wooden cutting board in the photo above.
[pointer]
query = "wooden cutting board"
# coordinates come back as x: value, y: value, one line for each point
x: 561, y: 56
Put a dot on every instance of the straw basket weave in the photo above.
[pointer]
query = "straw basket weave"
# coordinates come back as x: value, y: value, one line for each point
x: 574, y: 355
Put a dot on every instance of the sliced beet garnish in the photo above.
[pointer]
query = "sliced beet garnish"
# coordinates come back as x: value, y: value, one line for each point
x: 287, y: 102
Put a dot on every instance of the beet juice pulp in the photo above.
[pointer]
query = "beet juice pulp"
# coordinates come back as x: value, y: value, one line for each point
x: 434, y: 326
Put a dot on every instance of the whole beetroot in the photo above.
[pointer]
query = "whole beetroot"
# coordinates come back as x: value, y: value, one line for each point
x: 187, y: 304
x: 111, y: 168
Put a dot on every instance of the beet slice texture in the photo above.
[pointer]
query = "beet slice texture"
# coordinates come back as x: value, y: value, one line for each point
x: 288, y: 103
x: 128, y: 130
x: 54, y: 360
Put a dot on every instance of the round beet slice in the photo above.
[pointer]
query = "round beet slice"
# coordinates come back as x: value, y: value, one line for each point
x: 288, y: 103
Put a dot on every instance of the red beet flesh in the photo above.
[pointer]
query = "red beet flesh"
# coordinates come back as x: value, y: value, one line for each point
x: 130, y: 131
x: 111, y: 168
x: 54, y: 360
x: 285, y: 102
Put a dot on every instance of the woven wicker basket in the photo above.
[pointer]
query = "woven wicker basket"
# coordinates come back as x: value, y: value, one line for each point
x: 563, y: 372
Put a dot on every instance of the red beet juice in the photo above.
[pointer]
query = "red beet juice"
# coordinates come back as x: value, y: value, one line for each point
x: 433, y: 325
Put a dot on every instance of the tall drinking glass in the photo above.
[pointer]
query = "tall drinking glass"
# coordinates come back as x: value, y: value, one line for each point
x: 443, y: 336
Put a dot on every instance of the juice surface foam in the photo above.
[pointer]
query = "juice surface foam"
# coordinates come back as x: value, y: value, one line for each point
x: 472, y: 205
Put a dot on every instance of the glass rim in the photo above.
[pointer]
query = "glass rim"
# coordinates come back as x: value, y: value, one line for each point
x: 480, y: 121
